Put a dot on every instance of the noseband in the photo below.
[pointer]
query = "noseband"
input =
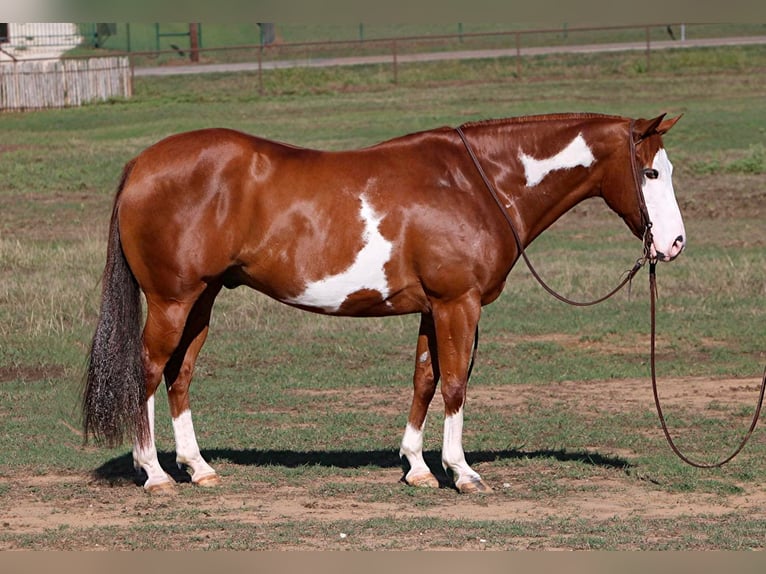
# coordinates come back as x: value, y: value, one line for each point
x: 646, y: 256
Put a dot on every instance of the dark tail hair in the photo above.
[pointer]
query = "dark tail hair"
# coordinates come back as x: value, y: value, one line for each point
x: 114, y: 396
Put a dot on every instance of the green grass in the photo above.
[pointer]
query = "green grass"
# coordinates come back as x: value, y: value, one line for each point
x: 255, y: 393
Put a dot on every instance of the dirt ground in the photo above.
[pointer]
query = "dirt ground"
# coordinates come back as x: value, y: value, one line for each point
x: 32, y: 505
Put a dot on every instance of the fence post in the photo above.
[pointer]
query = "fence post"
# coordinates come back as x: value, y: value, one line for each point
x: 194, y: 42
x: 260, y: 69
x: 648, y: 49
x: 396, y: 65
x: 518, y: 55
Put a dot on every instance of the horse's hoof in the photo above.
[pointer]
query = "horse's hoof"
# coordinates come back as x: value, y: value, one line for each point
x: 474, y: 485
x: 161, y: 488
x: 208, y: 481
x: 423, y: 481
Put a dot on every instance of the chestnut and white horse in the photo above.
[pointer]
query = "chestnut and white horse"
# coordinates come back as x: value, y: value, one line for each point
x: 404, y: 226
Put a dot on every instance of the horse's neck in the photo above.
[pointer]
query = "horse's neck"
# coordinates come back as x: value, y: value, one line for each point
x: 536, y: 188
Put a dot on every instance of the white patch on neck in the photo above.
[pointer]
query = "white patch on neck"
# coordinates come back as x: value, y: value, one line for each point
x: 366, y: 272
x: 577, y: 153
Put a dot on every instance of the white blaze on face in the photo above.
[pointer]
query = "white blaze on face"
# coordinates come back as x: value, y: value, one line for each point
x: 576, y: 153
x: 669, y: 235
x: 366, y: 272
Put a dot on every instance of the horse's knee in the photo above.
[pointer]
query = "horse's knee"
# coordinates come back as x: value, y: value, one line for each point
x: 454, y: 397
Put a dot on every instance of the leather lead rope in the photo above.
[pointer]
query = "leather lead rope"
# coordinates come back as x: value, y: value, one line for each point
x: 671, y: 443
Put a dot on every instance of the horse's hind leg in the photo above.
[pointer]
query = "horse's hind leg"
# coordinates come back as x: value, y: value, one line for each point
x: 175, y: 328
x: 178, y: 375
x: 424, y: 381
x: 165, y: 323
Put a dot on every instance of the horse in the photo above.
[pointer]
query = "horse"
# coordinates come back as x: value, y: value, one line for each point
x: 404, y: 226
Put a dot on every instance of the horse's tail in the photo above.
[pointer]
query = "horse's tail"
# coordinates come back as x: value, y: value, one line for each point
x: 114, y: 395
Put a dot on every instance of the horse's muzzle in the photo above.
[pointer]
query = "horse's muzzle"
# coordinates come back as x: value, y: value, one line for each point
x: 674, y: 251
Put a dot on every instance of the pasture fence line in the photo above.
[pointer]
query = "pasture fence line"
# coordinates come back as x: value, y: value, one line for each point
x: 37, y: 84
x: 517, y: 46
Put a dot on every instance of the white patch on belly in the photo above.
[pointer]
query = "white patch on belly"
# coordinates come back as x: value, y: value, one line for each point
x: 366, y: 272
x: 575, y: 154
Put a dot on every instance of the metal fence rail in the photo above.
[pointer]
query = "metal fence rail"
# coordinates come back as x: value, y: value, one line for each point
x: 36, y: 84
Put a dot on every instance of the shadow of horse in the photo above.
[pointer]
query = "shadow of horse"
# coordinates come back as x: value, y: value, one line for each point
x: 119, y: 470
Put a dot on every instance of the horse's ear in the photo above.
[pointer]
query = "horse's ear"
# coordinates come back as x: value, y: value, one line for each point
x: 642, y: 129
x: 663, y: 128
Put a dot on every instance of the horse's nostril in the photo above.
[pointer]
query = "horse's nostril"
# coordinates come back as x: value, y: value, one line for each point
x: 680, y: 240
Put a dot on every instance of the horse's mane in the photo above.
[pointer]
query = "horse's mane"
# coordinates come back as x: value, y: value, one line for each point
x: 538, y: 118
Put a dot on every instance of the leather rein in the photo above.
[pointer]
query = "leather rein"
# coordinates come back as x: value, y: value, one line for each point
x: 646, y: 257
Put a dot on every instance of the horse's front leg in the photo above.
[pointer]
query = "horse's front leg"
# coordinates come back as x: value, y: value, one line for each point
x: 455, y: 323
x: 424, y: 381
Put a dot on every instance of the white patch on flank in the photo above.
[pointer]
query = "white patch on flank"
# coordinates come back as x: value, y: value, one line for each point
x: 187, y: 449
x: 366, y: 272
x: 660, y: 199
x: 453, y: 456
x: 577, y: 153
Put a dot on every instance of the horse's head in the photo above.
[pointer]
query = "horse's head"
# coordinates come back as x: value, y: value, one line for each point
x: 652, y: 174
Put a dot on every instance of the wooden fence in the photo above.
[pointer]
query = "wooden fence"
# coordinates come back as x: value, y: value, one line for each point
x: 35, y: 84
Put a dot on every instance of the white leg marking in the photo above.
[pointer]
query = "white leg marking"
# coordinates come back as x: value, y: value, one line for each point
x: 146, y: 458
x: 576, y: 153
x: 187, y: 449
x: 453, y: 457
x: 412, y: 448
x: 366, y: 272
x: 423, y: 357
x: 660, y: 198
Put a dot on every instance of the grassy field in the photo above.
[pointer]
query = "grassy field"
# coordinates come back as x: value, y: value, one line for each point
x: 559, y: 415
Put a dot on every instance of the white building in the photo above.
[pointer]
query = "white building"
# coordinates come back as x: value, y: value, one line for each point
x: 37, y: 40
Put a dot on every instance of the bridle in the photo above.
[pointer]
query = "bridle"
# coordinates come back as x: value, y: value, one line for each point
x: 640, y: 262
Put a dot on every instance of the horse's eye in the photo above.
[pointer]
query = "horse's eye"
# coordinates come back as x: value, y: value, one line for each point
x: 651, y: 173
